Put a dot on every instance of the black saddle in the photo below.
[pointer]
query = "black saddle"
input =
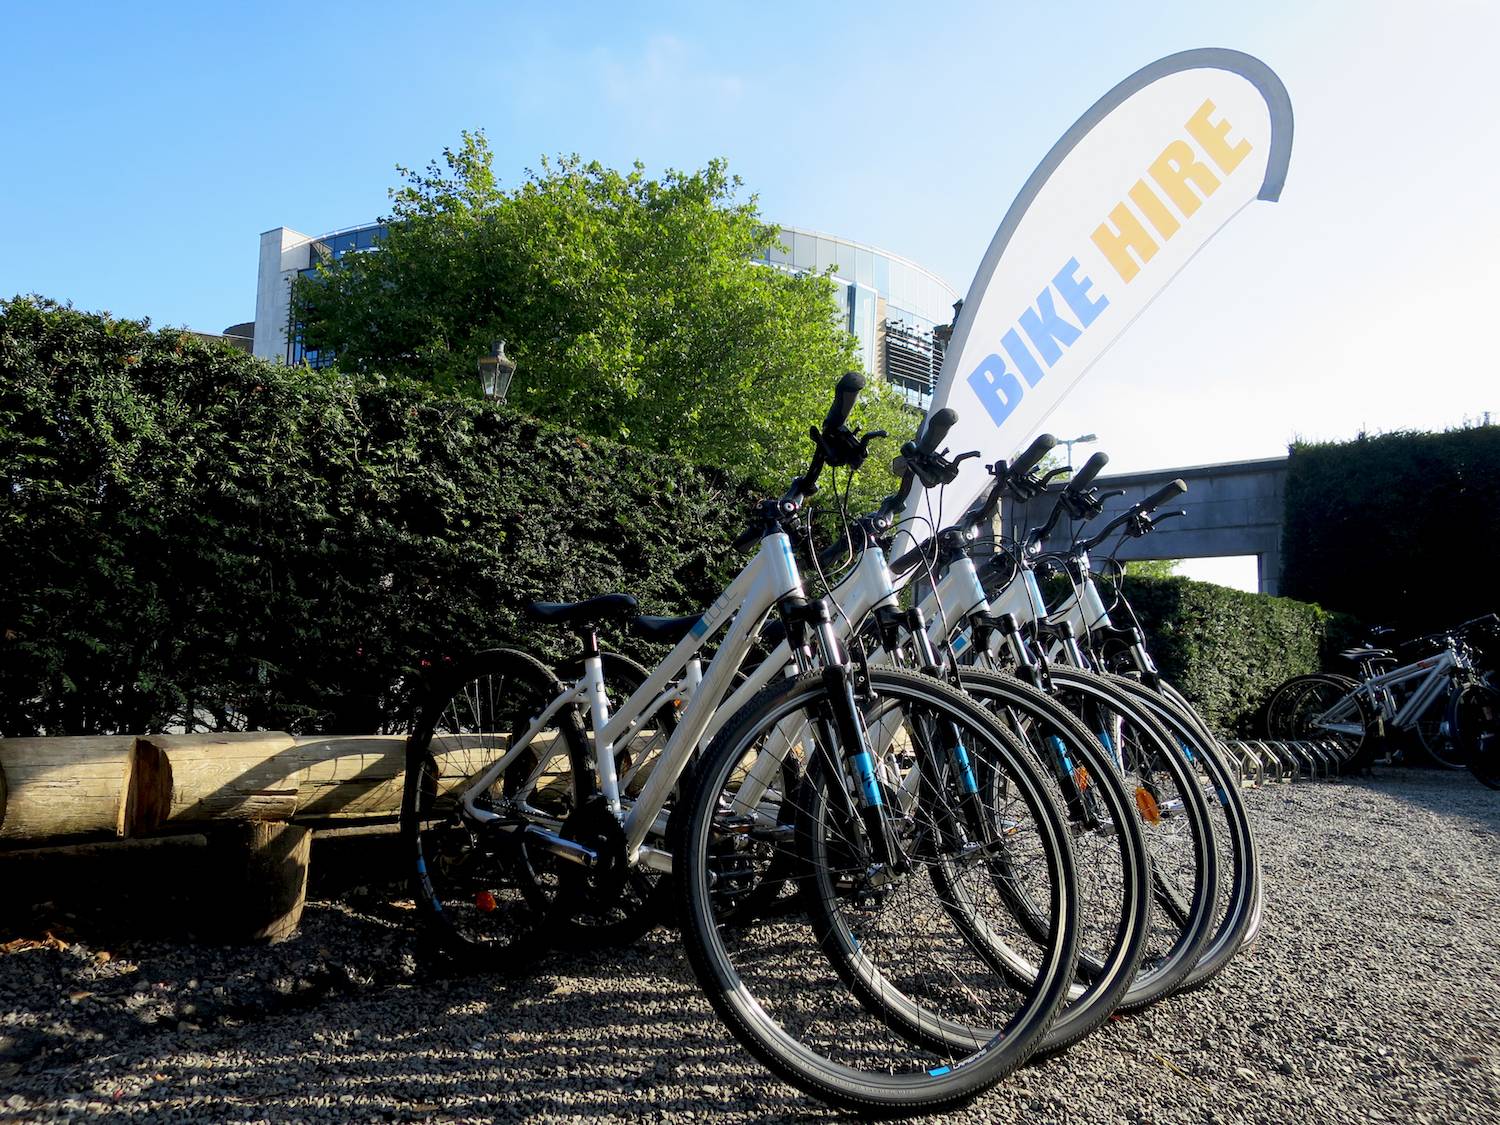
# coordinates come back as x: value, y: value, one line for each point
x: 1357, y: 654
x: 668, y: 630
x: 606, y: 607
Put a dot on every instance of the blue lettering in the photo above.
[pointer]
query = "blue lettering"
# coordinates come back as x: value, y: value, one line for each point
x: 1075, y: 290
x: 1025, y: 361
x: 996, y: 388
x: 1045, y: 328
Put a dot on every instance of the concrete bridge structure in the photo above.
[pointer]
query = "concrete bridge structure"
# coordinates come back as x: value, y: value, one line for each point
x: 1234, y: 508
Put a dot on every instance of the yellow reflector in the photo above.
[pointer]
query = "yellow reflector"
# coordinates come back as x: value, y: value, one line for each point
x: 486, y: 902
x: 1150, y: 810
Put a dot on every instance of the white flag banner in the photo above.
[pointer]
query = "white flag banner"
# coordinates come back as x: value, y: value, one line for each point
x: 1123, y: 201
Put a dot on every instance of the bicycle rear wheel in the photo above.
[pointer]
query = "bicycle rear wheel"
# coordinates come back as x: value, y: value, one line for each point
x: 486, y: 896
x: 1109, y: 848
x: 1324, y: 707
x: 1435, y: 732
x: 1176, y: 824
x: 1239, y: 860
x: 903, y: 1013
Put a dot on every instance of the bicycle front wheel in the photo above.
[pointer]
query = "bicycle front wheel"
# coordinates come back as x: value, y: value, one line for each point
x: 904, y: 1012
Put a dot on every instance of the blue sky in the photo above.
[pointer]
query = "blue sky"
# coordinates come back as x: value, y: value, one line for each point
x: 146, y: 147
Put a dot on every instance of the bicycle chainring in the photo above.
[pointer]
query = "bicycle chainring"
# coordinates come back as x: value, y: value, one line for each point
x: 594, y: 890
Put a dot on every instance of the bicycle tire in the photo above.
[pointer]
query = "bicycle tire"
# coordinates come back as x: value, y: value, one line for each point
x: 1236, y: 904
x: 1185, y: 860
x: 1313, y: 695
x: 800, y: 1019
x: 485, y: 896
x: 1114, y: 924
x: 1282, y: 704
x: 1474, y: 718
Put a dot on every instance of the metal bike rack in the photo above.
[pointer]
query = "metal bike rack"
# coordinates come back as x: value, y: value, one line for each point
x: 1336, y: 752
x: 1290, y: 764
x: 1322, y: 765
x: 1273, y: 764
x: 1251, y: 769
x: 1332, y: 759
x: 1307, y: 764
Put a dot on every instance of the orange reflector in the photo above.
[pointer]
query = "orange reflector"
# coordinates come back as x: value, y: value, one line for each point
x: 1150, y: 810
x: 486, y: 902
x: 1081, y: 777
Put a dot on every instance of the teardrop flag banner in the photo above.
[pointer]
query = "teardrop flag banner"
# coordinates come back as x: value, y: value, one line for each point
x: 1120, y: 205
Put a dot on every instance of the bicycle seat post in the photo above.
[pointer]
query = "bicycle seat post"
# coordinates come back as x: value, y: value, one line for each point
x: 593, y: 674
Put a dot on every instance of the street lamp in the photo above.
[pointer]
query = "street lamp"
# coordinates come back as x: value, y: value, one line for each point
x: 495, y: 372
x: 1082, y: 439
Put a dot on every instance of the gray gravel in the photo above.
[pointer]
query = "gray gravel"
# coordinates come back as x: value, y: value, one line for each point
x: 1372, y: 995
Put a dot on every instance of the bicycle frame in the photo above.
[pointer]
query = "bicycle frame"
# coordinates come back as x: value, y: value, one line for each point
x: 770, y: 577
x: 1432, y: 676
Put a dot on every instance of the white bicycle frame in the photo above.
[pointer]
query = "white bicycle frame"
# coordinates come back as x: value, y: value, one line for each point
x: 1433, y: 677
x: 769, y: 577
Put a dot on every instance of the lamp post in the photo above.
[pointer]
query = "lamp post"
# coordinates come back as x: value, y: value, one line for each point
x: 1082, y: 439
x: 495, y: 372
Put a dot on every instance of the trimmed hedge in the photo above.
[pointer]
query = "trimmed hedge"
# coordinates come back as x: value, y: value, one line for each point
x: 196, y: 537
x: 1375, y: 526
x: 1227, y: 650
x: 192, y: 535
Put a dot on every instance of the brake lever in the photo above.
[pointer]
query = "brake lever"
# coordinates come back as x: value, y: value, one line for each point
x: 842, y: 447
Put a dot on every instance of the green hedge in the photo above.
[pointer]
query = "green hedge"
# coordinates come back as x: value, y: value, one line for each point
x: 194, y: 534
x: 1379, y: 527
x: 1226, y: 649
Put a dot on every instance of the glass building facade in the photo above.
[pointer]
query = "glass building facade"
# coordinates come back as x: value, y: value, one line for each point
x: 888, y: 303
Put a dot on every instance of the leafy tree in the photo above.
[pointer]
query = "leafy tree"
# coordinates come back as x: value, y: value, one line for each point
x: 631, y: 305
x: 1153, y: 568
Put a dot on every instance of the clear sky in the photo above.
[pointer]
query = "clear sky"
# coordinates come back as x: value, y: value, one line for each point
x: 146, y: 146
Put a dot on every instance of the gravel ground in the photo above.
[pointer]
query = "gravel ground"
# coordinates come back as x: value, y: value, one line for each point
x: 1372, y: 995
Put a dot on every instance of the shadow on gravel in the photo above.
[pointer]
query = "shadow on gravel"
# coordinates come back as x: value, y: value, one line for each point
x: 112, y: 1011
x: 1451, y: 793
x: 585, y: 1037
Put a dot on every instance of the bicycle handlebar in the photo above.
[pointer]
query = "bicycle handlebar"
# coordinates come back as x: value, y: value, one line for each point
x: 1166, y: 492
x: 1091, y: 468
x: 1138, y: 514
x: 1033, y: 455
x: 845, y: 395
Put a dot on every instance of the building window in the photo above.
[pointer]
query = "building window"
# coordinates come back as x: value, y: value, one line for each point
x: 913, y: 359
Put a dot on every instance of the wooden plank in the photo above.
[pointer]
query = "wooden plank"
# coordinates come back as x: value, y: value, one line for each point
x: 63, y: 787
x: 127, y: 786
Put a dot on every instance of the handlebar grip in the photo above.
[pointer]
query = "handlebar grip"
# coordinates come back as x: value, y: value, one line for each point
x: 1163, y: 494
x: 900, y: 566
x: 1085, y: 476
x: 934, y: 429
x: 845, y: 395
x: 1029, y: 460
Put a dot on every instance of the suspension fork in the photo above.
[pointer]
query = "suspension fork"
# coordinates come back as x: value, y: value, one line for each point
x: 1032, y: 671
x: 892, y: 623
x: 840, y: 722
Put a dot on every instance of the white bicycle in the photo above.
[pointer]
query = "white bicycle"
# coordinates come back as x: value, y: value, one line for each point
x: 532, y: 818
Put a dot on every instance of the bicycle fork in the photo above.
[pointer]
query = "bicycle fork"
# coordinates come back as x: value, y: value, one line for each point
x: 840, y: 723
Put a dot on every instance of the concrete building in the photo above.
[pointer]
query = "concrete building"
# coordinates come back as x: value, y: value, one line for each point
x: 889, y: 303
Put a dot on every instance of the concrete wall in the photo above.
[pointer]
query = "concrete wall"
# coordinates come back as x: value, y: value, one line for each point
x: 1233, y: 508
x: 283, y: 252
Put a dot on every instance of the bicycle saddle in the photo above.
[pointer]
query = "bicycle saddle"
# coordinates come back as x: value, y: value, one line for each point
x: 603, y: 608
x: 1365, y: 653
